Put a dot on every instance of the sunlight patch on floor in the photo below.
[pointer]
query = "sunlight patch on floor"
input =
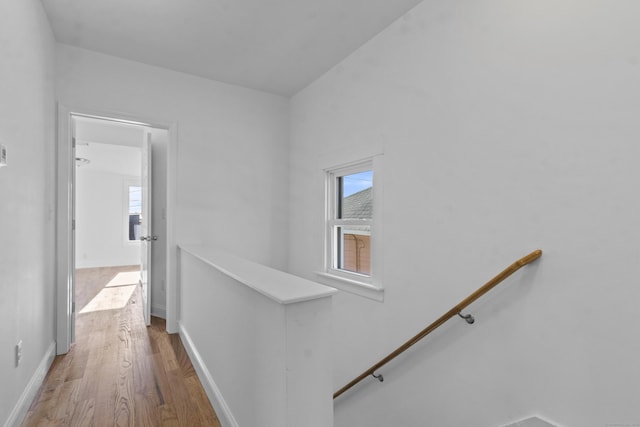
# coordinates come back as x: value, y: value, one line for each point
x: 125, y: 278
x: 110, y: 298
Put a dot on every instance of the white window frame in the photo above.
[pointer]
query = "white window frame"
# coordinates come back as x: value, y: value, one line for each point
x: 368, y: 286
x: 128, y: 182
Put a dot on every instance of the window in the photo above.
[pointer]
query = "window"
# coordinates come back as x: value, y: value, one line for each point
x: 349, y: 224
x: 134, y: 212
x: 350, y: 243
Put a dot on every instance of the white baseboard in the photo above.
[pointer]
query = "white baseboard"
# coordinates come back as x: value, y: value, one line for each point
x: 158, y: 311
x: 213, y: 392
x: 22, y: 406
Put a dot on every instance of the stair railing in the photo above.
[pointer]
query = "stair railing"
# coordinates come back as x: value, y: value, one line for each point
x: 455, y: 311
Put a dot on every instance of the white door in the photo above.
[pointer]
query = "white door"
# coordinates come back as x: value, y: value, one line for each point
x: 72, y: 245
x: 146, y: 234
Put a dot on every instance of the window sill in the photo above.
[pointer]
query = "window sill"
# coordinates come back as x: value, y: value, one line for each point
x: 352, y: 286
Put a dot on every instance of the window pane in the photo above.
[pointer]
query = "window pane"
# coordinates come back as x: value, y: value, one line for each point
x: 355, y: 196
x: 135, y: 209
x: 135, y: 199
x: 354, y: 249
x: 134, y: 227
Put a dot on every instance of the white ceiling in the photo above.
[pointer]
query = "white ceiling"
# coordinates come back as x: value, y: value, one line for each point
x: 110, y: 146
x: 90, y: 129
x: 278, y: 46
x: 115, y: 159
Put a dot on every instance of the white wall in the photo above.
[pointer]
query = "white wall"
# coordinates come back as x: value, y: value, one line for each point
x: 231, y: 146
x: 231, y: 183
x: 27, y: 201
x: 505, y: 126
x: 100, y: 221
x: 102, y: 205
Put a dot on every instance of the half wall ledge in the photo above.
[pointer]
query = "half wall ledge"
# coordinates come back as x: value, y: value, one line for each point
x: 283, y: 288
x: 259, y: 339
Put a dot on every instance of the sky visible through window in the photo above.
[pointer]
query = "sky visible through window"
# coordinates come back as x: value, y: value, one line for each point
x: 135, y: 199
x: 351, y: 184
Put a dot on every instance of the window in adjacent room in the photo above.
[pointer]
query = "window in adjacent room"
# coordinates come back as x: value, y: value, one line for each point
x: 134, y: 212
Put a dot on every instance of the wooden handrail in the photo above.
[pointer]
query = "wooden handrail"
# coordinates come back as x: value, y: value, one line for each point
x: 448, y: 315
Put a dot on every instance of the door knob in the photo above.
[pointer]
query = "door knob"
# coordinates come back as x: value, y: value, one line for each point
x: 149, y: 238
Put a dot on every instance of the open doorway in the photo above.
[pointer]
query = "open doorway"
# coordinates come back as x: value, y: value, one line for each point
x: 108, y: 201
x: 99, y: 217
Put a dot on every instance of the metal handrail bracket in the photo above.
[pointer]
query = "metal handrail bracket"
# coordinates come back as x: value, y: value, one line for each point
x: 455, y: 311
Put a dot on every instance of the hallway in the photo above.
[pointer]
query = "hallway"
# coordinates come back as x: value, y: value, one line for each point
x: 119, y: 372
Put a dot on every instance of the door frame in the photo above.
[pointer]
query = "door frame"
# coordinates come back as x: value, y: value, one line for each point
x: 65, y: 188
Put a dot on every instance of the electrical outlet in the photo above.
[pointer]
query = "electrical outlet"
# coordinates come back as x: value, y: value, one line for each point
x: 18, y: 353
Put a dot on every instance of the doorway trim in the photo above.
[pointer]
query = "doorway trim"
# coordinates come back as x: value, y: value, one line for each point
x: 65, y: 187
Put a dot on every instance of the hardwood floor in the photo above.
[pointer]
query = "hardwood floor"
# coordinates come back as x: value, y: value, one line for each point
x: 119, y: 372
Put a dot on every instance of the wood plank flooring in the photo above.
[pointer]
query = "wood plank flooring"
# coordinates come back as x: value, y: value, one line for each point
x: 119, y: 372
